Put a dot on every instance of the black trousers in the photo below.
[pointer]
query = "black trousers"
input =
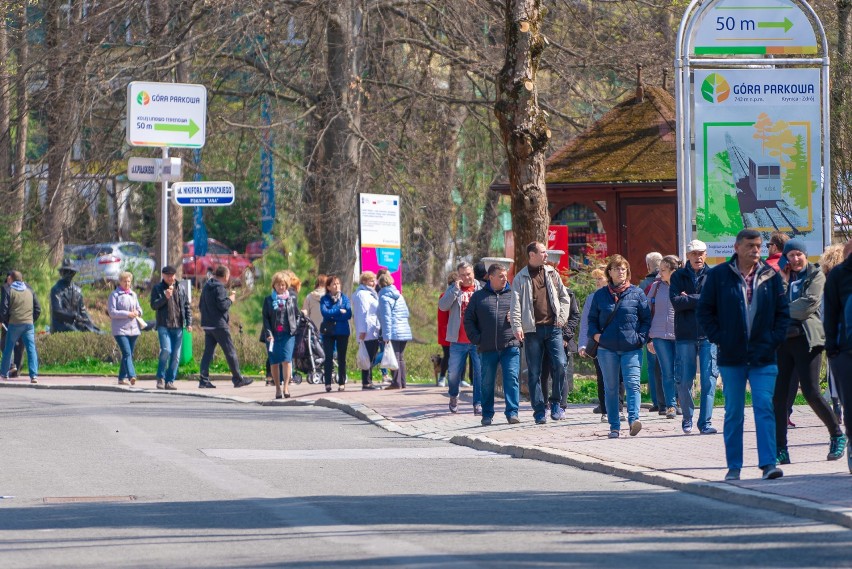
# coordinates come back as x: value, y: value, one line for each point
x: 445, y: 362
x: 841, y: 368
x: 398, y: 375
x: 221, y: 337
x: 329, y: 342
x: 372, y: 349
x: 795, y: 354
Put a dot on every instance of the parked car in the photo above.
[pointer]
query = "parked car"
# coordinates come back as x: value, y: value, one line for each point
x: 103, y: 262
x: 254, y: 250
x: 200, y: 268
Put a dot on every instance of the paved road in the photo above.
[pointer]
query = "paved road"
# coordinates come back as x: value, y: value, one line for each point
x: 219, y: 484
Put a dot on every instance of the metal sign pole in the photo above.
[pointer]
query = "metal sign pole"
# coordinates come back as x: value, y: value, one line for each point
x: 164, y: 218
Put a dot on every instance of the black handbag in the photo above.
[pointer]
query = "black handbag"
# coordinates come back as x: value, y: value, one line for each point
x: 592, y: 348
x: 327, y: 327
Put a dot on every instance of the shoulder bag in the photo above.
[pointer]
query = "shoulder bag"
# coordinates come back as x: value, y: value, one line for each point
x: 592, y: 348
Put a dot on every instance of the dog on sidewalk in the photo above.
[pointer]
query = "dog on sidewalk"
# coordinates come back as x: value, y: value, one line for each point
x: 437, y: 360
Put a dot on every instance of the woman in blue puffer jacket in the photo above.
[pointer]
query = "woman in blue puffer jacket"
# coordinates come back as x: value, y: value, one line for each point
x: 621, y: 336
x: 336, y: 313
x: 393, y: 316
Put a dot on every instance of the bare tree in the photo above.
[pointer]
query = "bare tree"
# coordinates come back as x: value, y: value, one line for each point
x: 523, y: 125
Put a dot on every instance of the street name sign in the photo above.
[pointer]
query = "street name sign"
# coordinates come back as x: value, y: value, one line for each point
x: 154, y: 169
x: 166, y: 114
x: 203, y: 194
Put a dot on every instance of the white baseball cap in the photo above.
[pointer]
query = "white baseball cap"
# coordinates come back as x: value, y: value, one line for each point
x: 696, y: 245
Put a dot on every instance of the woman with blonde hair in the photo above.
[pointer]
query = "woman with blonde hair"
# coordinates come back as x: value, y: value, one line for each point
x: 365, y: 304
x: 619, y: 320
x: 124, y: 309
x: 280, y: 316
x: 393, y: 317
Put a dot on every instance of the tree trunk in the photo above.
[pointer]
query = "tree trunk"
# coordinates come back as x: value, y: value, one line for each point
x: 19, y: 183
x: 335, y: 177
x: 5, y: 121
x: 60, y: 136
x: 489, y: 223
x: 523, y: 125
x: 840, y: 113
x: 440, y: 204
x: 168, y: 71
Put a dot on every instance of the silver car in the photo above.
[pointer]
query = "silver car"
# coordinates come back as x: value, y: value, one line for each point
x: 103, y: 262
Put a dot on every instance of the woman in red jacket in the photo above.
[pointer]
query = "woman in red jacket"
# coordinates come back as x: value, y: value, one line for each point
x: 443, y: 318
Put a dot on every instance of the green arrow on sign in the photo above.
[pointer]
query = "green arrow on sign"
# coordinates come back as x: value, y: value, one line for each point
x: 786, y: 24
x: 190, y: 128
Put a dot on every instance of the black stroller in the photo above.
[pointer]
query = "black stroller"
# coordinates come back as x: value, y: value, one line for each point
x: 308, y: 355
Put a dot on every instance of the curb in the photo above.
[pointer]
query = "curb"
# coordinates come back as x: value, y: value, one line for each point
x: 715, y: 490
x: 126, y: 389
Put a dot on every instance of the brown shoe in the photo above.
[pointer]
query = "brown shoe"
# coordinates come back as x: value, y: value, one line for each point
x: 13, y: 371
x: 123, y: 382
x: 170, y: 386
x: 132, y: 381
x: 33, y: 380
x: 160, y: 383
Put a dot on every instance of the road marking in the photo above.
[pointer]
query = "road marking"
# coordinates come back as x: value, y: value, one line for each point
x: 348, y: 454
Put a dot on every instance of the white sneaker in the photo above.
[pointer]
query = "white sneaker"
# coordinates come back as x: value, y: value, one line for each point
x: 465, y: 384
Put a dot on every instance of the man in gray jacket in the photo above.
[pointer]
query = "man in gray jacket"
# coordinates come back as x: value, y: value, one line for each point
x: 486, y: 322
x: 540, y: 307
x: 455, y: 300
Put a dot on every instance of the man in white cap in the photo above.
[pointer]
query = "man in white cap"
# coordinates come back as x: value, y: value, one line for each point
x: 690, y: 341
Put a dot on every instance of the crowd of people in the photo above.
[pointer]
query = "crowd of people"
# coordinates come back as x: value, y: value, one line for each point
x: 761, y: 323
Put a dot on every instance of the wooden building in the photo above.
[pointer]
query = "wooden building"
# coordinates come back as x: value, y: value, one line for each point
x: 615, y: 184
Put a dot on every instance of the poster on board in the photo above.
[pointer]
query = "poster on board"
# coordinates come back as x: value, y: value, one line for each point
x: 381, y: 242
x: 758, y: 155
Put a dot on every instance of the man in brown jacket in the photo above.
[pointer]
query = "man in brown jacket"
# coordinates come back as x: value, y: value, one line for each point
x: 20, y: 308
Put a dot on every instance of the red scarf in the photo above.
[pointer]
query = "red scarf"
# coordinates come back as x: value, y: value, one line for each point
x: 615, y: 291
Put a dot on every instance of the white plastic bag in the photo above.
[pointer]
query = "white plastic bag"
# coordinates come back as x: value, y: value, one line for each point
x: 389, y: 359
x: 363, y: 362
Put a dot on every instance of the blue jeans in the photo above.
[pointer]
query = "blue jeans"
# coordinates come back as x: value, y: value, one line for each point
x: 762, y: 381
x: 666, y: 356
x: 630, y: 365
x: 26, y: 333
x: 456, y: 369
x: 170, y: 343
x: 126, y: 344
x: 510, y: 361
x: 546, y: 340
x: 686, y: 352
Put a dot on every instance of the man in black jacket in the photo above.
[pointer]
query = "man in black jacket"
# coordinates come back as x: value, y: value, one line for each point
x: 214, y: 304
x: 173, y: 315
x: 486, y: 322
x: 744, y: 311
x: 838, y: 335
x: 691, y: 341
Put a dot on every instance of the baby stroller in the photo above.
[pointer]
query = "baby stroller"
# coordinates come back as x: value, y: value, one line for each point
x: 308, y: 356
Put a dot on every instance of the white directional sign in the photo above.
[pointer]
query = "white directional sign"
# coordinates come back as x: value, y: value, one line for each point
x: 203, y: 193
x: 754, y: 27
x: 154, y: 170
x: 166, y: 114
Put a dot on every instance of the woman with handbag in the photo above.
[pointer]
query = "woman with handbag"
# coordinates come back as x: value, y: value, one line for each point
x: 393, y: 318
x: 124, y: 313
x: 336, y: 313
x: 280, y: 318
x: 661, y: 334
x: 619, y: 320
x: 365, y: 303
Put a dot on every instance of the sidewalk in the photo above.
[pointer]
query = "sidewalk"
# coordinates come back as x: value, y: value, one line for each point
x: 661, y: 454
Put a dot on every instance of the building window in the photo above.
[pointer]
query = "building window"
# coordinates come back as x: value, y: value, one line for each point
x: 586, y: 235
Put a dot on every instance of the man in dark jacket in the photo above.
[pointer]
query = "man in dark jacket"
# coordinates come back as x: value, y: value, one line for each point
x: 19, y: 308
x: 744, y: 311
x: 67, y: 308
x: 487, y: 325
x: 691, y: 341
x: 173, y: 315
x: 214, y: 304
x: 838, y: 334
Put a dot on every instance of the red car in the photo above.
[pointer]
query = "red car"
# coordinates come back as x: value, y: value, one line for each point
x: 200, y: 269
